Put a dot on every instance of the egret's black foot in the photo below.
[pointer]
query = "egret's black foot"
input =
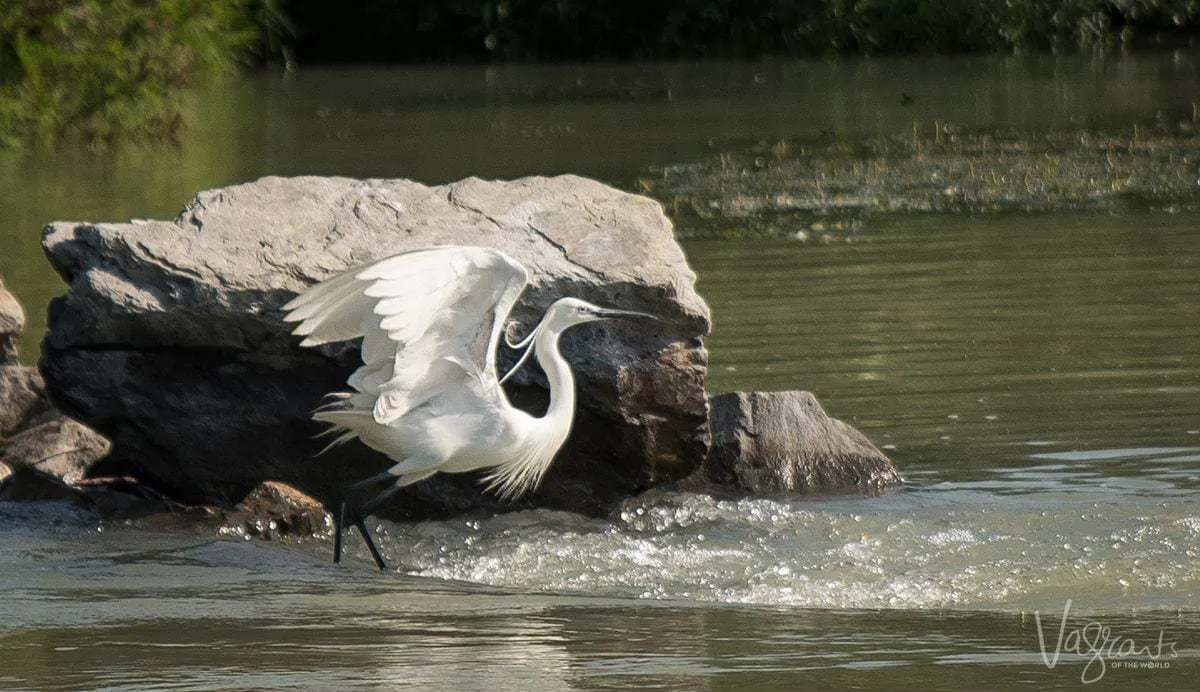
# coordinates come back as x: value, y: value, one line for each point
x: 359, y: 521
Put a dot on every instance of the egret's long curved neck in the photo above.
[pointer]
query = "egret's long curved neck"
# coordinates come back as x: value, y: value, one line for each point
x: 562, y: 382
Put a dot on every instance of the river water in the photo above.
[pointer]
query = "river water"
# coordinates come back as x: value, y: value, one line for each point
x: 1034, y: 376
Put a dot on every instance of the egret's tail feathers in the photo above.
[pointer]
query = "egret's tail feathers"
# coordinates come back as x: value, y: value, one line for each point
x: 345, y: 401
x: 332, y: 430
x: 349, y: 418
x: 330, y: 406
x: 348, y: 415
x: 342, y: 438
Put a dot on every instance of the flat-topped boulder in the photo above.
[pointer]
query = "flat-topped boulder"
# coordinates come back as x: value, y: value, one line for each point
x: 170, y: 340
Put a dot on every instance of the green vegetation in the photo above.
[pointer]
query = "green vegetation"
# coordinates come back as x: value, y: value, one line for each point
x: 106, y: 70
x: 103, y: 70
x: 506, y: 30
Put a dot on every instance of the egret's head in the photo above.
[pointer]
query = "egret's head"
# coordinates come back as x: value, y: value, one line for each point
x: 568, y: 312
x: 564, y: 314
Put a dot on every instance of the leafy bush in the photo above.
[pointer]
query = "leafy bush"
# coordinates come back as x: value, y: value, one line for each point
x: 108, y: 69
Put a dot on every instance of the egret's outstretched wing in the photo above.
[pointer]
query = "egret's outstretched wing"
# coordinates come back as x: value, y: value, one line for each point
x: 428, y: 319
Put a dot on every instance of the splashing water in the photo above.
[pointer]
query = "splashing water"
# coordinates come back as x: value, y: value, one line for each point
x: 1024, y: 537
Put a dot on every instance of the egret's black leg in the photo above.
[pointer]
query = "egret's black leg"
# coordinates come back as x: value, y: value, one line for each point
x: 359, y: 521
x: 358, y: 516
x: 366, y: 511
x: 362, y: 528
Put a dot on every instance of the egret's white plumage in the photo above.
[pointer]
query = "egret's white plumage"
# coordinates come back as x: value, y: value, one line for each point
x: 427, y: 394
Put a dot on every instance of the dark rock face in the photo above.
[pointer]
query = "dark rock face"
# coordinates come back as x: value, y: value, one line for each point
x: 169, y: 340
x: 769, y: 443
x: 27, y: 484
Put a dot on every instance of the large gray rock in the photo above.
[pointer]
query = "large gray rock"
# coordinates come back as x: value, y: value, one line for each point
x: 768, y: 443
x: 169, y: 340
x: 12, y: 322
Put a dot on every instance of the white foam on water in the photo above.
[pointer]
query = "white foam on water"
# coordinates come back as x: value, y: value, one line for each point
x: 962, y: 548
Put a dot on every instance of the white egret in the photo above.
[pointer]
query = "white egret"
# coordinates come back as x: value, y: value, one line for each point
x: 427, y: 394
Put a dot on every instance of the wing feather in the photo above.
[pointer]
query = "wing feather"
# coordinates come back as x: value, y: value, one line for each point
x: 429, y: 319
x: 330, y: 311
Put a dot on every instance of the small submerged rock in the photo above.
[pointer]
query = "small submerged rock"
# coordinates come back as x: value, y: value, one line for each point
x: 275, y: 510
x: 661, y: 509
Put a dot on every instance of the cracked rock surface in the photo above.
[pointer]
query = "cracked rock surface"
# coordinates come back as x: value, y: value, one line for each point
x: 170, y: 342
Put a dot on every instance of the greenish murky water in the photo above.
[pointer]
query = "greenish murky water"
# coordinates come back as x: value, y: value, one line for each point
x: 1035, y: 377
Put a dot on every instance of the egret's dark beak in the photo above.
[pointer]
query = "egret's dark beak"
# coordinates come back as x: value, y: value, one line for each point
x: 608, y: 313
